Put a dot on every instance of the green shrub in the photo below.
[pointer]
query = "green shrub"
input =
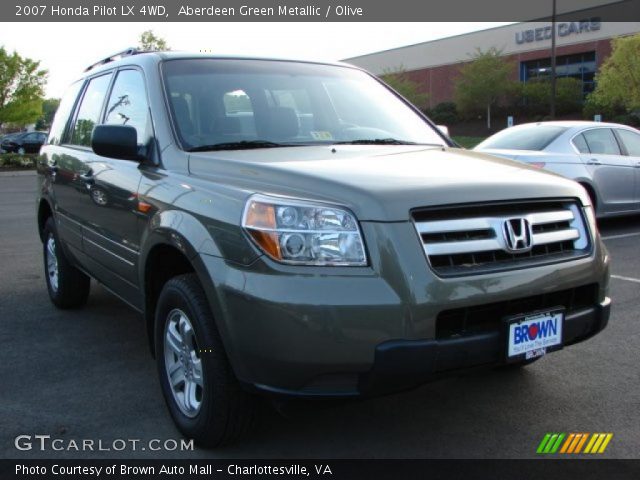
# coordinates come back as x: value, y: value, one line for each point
x: 632, y: 119
x: 537, y: 96
x: 445, y: 113
x: 13, y: 160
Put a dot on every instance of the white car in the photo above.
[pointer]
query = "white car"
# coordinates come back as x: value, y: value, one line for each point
x: 603, y: 157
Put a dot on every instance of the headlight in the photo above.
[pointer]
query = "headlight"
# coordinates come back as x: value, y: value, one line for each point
x: 304, y: 233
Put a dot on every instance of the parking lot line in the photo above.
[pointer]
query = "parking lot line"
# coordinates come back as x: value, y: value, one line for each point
x: 628, y: 279
x: 622, y: 235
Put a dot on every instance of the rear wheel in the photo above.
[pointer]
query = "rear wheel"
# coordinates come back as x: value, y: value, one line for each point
x: 68, y: 287
x: 198, y: 384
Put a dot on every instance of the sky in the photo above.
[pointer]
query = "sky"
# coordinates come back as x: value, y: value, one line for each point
x: 66, y: 49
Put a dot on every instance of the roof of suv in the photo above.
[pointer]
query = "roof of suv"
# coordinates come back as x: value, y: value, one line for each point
x: 133, y: 56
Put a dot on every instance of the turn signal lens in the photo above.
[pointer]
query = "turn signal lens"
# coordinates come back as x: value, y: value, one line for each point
x: 304, y: 233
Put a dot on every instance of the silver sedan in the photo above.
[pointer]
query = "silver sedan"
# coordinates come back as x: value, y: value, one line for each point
x: 603, y: 157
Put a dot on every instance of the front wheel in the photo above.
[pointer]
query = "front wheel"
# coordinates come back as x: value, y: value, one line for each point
x: 197, y: 381
x: 21, y: 151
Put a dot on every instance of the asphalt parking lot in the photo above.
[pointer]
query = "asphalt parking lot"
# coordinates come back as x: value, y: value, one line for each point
x: 87, y: 374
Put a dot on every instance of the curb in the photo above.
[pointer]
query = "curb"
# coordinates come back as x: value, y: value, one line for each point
x: 18, y: 173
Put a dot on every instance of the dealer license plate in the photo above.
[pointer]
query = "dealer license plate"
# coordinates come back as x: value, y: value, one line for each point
x: 533, y: 335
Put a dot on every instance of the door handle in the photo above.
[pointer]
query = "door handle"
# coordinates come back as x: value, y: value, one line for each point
x: 593, y: 161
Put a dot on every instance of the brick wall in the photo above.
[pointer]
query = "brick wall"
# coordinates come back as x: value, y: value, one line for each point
x: 438, y: 82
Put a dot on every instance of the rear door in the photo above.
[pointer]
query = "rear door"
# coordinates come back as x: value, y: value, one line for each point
x: 67, y: 155
x: 630, y: 141
x: 612, y: 172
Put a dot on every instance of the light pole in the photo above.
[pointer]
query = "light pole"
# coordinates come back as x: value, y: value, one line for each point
x: 552, y: 112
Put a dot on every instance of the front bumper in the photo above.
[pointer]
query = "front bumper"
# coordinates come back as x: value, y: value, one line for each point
x: 404, y: 364
x: 314, y: 332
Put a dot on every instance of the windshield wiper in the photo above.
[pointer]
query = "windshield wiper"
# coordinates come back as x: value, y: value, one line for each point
x: 376, y: 141
x: 242, y: 145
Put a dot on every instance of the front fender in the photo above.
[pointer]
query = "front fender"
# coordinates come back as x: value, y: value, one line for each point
x: 184, y: 232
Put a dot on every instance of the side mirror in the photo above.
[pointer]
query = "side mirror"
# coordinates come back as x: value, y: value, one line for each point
x: 444, y: 129
x: 115, y: 141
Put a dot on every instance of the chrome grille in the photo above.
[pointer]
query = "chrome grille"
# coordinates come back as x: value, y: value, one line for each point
x: 471, y: 240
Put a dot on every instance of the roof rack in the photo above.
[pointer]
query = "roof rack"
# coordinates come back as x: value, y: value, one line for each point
x: 116, y: 56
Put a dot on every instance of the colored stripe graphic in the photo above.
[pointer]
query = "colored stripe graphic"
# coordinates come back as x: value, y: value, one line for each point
x: 572, y: 443
x: 550, y: 443
x: 581, y: 443
x: 598, y: 443
x: 543, y: 443
x: 567, y: 443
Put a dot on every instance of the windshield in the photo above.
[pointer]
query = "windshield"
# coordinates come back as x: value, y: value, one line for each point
x: 228, y: 104
x: 530, y: 137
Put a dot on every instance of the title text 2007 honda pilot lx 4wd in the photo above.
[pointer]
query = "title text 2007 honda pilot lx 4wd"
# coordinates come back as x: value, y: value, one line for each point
x: 297, y: 228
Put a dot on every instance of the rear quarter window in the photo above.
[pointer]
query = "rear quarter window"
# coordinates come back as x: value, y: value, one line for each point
x: 61, y: 119
x: 580, y: 143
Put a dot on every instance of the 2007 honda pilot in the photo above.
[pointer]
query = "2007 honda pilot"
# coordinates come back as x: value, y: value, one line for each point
x: 299, y: 229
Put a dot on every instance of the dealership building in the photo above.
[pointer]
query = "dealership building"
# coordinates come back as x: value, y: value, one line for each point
x: 581, y: 48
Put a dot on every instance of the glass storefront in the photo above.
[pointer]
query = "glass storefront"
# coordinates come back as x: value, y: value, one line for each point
x: 581, y: 66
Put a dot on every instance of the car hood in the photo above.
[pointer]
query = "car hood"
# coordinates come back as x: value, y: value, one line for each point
x: 380, y: 183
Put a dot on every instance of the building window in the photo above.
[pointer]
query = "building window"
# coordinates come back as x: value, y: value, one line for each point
x: 581, y: 66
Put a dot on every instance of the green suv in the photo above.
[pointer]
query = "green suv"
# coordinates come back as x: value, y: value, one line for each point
x: 298, y: 229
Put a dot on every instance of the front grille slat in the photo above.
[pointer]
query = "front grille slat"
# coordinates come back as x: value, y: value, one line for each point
x: 558, y: 236
x: 471, y: 240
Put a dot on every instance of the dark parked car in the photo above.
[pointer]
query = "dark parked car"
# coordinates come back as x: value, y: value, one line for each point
x: 26, y: 142
x: 298, y: 229
x: 7, y: 138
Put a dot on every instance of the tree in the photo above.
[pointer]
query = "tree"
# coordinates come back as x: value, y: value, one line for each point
x: 49, y: 108
x: 618, y: 82
x: 398, y: 79
x: 484, y: 82
x: 21, y: 89
x: 150, y: 42
x: 537, y: 95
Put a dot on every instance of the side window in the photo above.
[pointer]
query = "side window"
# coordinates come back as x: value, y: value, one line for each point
x: 89, y: 111
x: 631, y: 141
x: 61, y: 118
x: 602, y: 141
x: 581, y: 144
x: 31, y: 137
x: 128, y: 104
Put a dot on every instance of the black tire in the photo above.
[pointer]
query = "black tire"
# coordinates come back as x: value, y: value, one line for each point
x: 225, y: 413
x: 73, y: 286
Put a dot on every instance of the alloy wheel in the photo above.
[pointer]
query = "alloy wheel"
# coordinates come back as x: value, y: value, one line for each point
x: 183, y: 364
